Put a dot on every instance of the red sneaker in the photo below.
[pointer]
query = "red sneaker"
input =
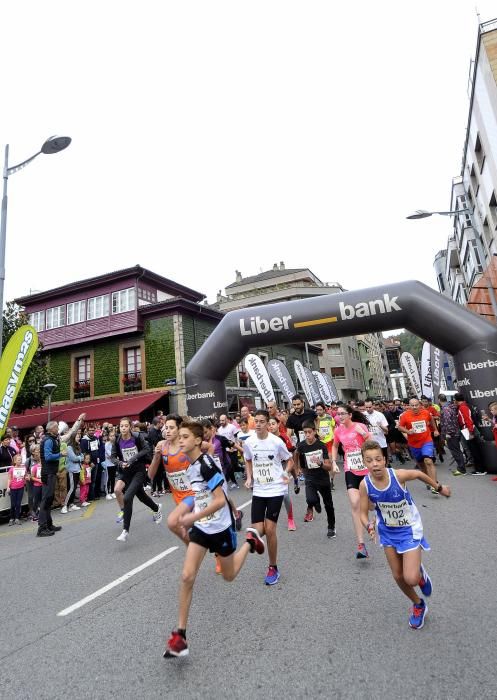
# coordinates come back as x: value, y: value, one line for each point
x: 309, y: 517
x: 176, y: 646
x: 255, y: 541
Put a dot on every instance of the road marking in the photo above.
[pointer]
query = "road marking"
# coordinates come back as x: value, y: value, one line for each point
x: 244, y: 505
x: 89, y: 510
x: 113, y: 584
x: 315, y: 322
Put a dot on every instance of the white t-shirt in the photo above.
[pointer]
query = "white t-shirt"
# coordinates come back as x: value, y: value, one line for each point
x: 228, y: 431
x: 267, y: 456
x: 377, y: 421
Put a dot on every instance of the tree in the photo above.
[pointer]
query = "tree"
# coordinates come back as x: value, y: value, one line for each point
x: 32, y: 394
x: 410, y: 343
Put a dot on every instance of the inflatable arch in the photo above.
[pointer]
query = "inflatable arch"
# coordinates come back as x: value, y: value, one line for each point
x: 412, y: 305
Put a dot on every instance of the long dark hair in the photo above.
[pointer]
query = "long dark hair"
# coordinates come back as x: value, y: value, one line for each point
x: 76, y: 447
x: 357, y: 416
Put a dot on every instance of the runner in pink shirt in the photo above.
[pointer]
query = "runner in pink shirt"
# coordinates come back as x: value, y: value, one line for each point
x: 351, y: 433
x: 15, y: 487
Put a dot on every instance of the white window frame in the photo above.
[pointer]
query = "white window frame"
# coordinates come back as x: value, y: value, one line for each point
x: 123, y: 300
x: 75, y: 312
x: 37, y: 320
x: 98, y: 307
x: 55, y: 317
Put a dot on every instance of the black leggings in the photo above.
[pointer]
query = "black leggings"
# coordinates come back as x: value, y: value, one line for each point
x: 158, y: 478
x: 312, y: 492
x: 135, y: 488
x: 111, y: 479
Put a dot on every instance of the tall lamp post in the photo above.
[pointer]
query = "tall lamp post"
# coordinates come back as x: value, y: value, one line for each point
x: 54, y: 144
x: 422, y: 214
x: 49, y: 388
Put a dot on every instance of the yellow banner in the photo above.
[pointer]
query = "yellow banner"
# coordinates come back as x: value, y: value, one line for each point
x: 14, y: 364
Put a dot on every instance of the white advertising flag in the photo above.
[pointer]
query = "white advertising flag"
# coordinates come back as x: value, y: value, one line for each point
x: 426, y: 383
x: 303, y: 380
x: 410, y: 368
x: 323, y: 387
x: 260, y: 377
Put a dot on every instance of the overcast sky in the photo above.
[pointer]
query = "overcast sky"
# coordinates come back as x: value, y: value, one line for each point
x: 212, y: 136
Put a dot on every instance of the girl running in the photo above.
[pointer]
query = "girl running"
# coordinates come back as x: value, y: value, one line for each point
x: 398, y: 524
x: 351, y: 433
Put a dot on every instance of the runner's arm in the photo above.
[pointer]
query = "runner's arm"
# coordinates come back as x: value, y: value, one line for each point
x: 334, y: 455
x: 154, y: 464
x: 217, y: 502
x: 364, y: 504
x: 412, y: 474
x: 248, y: 469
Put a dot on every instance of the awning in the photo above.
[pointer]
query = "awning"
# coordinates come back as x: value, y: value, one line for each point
x: 111, y: 409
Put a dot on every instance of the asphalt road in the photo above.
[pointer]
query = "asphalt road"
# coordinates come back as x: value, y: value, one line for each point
x: 333, y: 626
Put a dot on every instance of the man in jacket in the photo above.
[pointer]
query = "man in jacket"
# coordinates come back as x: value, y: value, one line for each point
x: 468, y: 431
x: 50, y: 456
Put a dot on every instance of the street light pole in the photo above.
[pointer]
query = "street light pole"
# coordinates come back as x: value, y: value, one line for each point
x: 54, y: 144
x: 49, y: 388
x: 422, y: 214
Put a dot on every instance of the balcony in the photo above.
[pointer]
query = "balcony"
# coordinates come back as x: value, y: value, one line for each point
x: 82, y: 389
x: 132, y: 381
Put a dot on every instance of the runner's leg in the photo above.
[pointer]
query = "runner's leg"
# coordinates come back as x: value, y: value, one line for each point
x: 194, y: 557
x: 396, y: 565
x: 119, y: 491
x: 325, y: 491
x: 353, y: 495
x: 230, y: 566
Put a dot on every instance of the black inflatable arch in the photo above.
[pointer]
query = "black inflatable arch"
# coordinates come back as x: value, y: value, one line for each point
x: 412, y: 305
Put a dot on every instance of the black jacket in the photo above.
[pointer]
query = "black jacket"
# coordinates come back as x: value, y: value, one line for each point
x: 6, y: 456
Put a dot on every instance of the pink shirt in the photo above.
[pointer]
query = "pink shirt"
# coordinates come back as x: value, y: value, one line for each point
x: 36, y: 474
x: 18, y: 477
x: 352, y: 441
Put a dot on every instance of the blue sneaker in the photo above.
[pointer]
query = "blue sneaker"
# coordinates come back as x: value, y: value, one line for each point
x: 425, y: 582
x: 272, y: 576
x: 120, y: 517
x: 418, y: 613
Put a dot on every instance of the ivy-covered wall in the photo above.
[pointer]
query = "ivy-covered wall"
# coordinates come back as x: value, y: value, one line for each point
x: 106, y: 368
x: 60, y: 374
x: 159, y: 352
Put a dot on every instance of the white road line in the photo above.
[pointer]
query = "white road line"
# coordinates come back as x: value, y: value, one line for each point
x: 113, y: 584
x: 244, y: 505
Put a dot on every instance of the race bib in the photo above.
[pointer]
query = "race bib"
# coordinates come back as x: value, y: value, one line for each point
x: 314, y: 460
x: 324, y: 430
x: 396, y: 514
x: 88, y: 472
x: 93, y: 445
x: 19, y: 472
x: 354, y: 460
x: 179, y: 480
x: 203, y: 500
x: 263, y: 473
x: 301, y: 436
x: 376, y: 430
x: 419, y: 426
x: 129, y: 452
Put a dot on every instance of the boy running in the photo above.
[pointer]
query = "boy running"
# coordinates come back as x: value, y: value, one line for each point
x: 314, y: 460
x: 398, y: 524
x: 208, y: 519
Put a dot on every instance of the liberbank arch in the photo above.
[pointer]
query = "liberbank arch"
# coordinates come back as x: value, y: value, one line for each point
x: 412, y: 305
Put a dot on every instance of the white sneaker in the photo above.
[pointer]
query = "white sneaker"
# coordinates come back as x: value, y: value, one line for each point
x: 147, y: 487
x: 73, y: 507
x: 113, y: 495
x: 123, y: 537
x: 84, y: 504
x: 108, y: 497
x: 63, y: 510
x: 158, y: 516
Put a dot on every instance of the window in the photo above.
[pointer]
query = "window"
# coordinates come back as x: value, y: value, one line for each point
x: 493, y: 208
x: 133, y: 373
x: 98, y: 307
x: 55, y: 317
x: 75, y: 312
x: 474, y: 179
x: 37, y: 320
x: 123, y: 300
x: 334, y: 348
x: 480, y: 153
x: 338, y: 372
x: 282, y: 359
x: 82, y: 373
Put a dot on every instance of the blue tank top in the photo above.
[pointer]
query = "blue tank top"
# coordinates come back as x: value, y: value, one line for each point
x: 396, y: 512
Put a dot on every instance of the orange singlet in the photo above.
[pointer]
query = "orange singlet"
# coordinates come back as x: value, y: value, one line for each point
x: 175, y: 466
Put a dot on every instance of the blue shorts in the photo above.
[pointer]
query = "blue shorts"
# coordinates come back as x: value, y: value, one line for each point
x: 419, y: 453
x: 401, y: 543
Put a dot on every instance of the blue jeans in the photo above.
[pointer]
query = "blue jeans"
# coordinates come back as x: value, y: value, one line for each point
x: 15, y: 503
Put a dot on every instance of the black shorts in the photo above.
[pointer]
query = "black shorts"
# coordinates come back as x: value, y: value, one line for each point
x: 266, y: 508
x: 222, y: 543
x: 353, y: 481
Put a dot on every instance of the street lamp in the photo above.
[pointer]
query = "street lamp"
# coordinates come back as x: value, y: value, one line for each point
x: 49, y: 388
x: 54, y: 144
x: 423, y: 214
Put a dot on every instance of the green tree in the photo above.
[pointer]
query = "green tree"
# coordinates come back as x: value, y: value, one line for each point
x: 32, y: 394
x: 410, y: 343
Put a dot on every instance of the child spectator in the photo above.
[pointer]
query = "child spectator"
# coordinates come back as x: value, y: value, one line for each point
x: 85, y: 480
x: 15, y: 487
x: 36, y: 482
x: 73, y: 466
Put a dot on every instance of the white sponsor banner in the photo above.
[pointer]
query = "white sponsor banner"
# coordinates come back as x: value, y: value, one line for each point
x: 426, y: 383
x: 436, y: 371
x: 410, y: 368
x: 324, y: 389
x: 281, y: 376
x: 260, y: 377
x: 331, y: 385
x: 303, y: 380
x: 316, y: 396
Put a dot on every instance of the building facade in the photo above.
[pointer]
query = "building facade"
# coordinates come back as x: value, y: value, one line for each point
x: 466, y: 269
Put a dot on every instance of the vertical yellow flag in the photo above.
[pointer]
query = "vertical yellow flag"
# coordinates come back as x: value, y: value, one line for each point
x: 14, y: 364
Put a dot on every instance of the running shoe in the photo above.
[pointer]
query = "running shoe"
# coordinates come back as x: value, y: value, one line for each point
x: 477, y: 472
x: 291, y: 525
x: 218, y: 564
x: 123, y: 537
x: 272, y: 576
x: 362, y: 552
x: 18, y: 522
x: 425, y: 582
x: 113, y: 495
x: 157, y: 517
x: 331, y: 532
x: 458, y: 472
x: 309, y: 517
x: 255, y: 541
x: 176, y: 646
x: 238, y: 520
x: 434, y: 492
x: 120, y: 516
x: 296, y: 487
x: 418, y: 613
x: 85, y: 504
x: 108, y: 497
x: 73, y: 507
x: 317, y: 507
x: 63, y: 510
